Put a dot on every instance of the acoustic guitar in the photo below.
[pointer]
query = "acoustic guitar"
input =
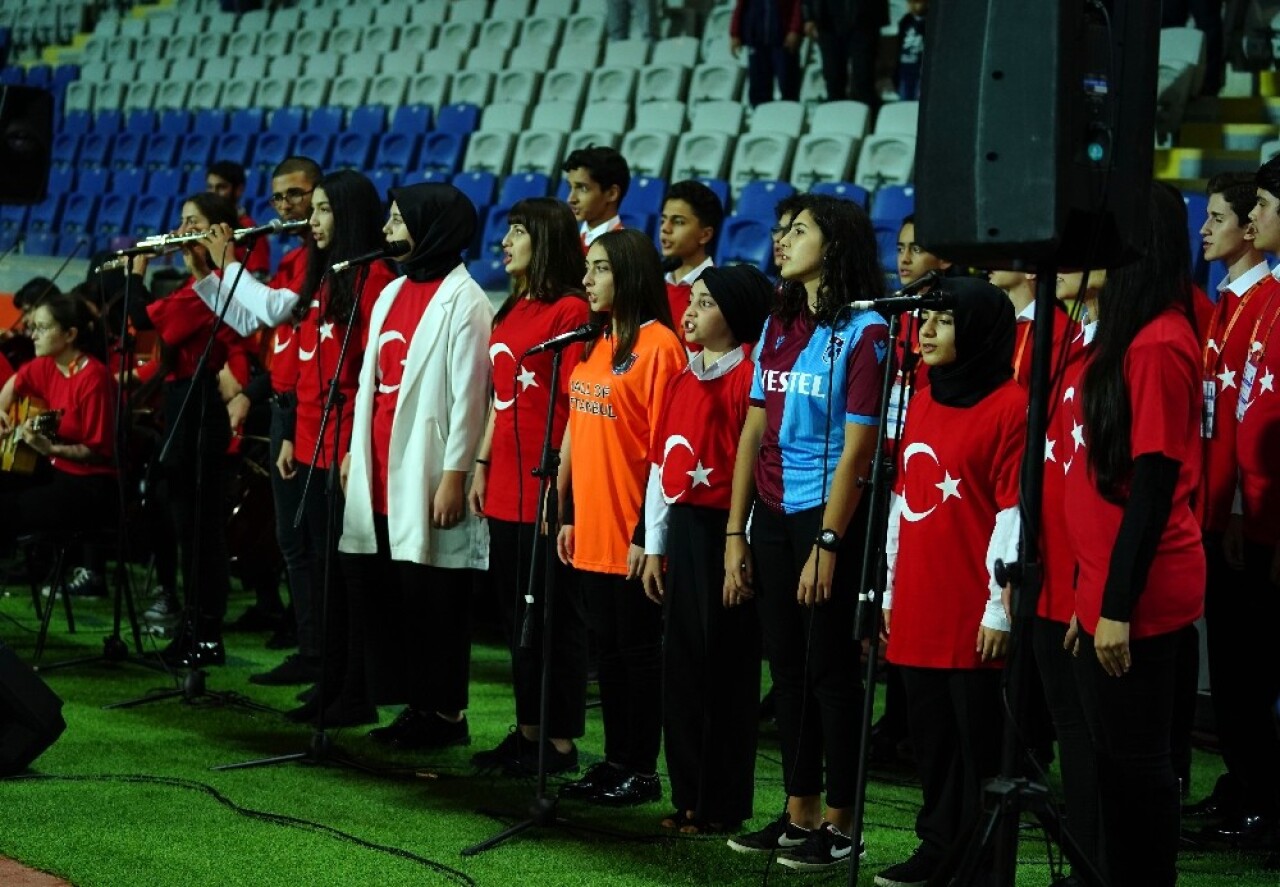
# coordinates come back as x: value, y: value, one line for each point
x: 15, y: 454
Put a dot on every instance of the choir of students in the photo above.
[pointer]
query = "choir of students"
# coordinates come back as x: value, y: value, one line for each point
x: 715, y: 433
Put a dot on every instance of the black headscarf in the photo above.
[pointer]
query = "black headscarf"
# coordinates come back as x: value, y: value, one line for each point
x: 441, y: 221
x: 743, y: 294
x: 985, y: 328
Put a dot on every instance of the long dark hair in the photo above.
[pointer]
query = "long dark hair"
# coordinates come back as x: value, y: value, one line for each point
x: 1132, y: 297
x: 850, y: 264
x: 555, y: 260
x: 639, y: 290
x: 357, y: 230
x: 71, y: 312
x: 218, y: 210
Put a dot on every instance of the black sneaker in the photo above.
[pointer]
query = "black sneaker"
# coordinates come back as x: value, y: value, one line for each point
x: 429, y: 730
x: 827, y: 846
x: 915, y: 872
x: 506, y: 754
x: 558, y: 762
x: 296, y: 669
x: 781, y: 834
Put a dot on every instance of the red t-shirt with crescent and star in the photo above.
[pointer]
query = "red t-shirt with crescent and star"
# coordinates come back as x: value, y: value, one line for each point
x: 1162, y: 377
x: 697, y: 439
x: 957, y: 469
x: 521, y: 389
x: 392, y: 351
x: 316, y: 345
x: 290, y: 275
x: 1258, y: 436
x: 87, y: 400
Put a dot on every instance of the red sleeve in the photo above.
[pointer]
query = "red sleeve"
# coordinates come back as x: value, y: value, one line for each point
x: 258, y: 262
x: 1163, y: 391
x: 735, y: 22
x: 667, y: 364
x: 176, y: 320
x: 862, y: 394
x: 97, y: 411
x: 1008, y: 462
x: 6, y: 369
x: 148, y: 370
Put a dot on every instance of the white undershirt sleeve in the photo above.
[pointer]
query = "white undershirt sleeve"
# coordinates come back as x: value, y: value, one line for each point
x: 1003, y: 546
x: 891, y: 549
x: 655, y: 514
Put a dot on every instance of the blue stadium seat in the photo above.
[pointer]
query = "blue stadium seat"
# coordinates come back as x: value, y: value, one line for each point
x: 431, y: 175
x: 384, y: 180
x: 46, y: 215
x: 491, y: 274
x: 132, y: 181
x: 442, y: 152
x: 640, y: 222
x: 893, y: 203
x: 247, y: 121
x: 108, y: 122
x: 353, y: 150
x: 758, y: 199
x: 126, y: 150
x: 236, y: 146
x: 719, y: 187
x: 40, y: 243
x: 562, y: 192
x: 325, y: 121
x: 368, y: 119
x: 140, y: 122
x: 93, y: 180
x: 461, y: 119
x: 197, y: 148
x: 12, y: 75
x: 287, y: 121
x: 316, y: 145
x: 195, y: 180
x: 61, y: 179
x: 66, y: 149
x: 209, y: 122
x: 174, y: 122
x: 114, y: 215
x: 645, y: 196
x: 478, y: 186
x: 1197, y: 206
x: 492, y: 233
x: 162, y: 150
x: 397, y: 152
x: 39, y: 76
x: 271, y: 149
x: 887, y: 245
x: 64, y: 74
x: 76, y: 123
x: 745, y: 240
x: 79, y: 213
x: 151, y: 214
x: 843, y: 190
x: 164, y: 182
x: 95, y: 149
x: 13, y: 221
x: 522, y: 185
x: 411, y: 119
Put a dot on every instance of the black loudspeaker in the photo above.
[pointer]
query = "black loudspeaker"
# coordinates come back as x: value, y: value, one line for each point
x: 26, y: 143
x: 30, y: 714
x: 1037, y: 123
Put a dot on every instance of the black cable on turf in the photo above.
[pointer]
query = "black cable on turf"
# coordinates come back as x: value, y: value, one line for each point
x: 280, y: 819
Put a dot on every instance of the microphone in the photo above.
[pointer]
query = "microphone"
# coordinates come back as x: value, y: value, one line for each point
x: 275, y: 226
x: 584, y: 333
x: 905, y: 298
x: 928, y: 302
x: 390, y: 251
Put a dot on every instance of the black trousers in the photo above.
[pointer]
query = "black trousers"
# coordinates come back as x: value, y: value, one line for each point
x: 813, y: 658
x: 1130, y: 720
x: 1241, y: 612
x: 627, y: 629
x: 510, y: 557
x: 955, y: 719
x: 1076, y: 757
x: 711, y: 674
x: 298, y: 559
x: 194, y: 486
x: 764, y: 65
x: 53, y: 501
x: 417, y: 627
x: 849, y: 65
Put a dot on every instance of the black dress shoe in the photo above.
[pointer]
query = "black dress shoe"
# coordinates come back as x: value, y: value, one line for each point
x: 1208, y: 808
x: 597, y: 778
x: 182, y: 653
x: 631, y: 790
x: 403, y: 723
x: 1249, y: 830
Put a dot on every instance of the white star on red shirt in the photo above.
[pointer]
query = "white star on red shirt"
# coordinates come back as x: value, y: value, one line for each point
x: 1228, y: 378
x: 1077, y: 433
x: 950, y: 486
x: 326, y: 331
x: 1048, y: 450
x: 700, y: 475
x: 527, y: 379
x: 1267, y: 382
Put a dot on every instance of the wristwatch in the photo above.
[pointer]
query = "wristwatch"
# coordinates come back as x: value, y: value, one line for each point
x: 828, y: 540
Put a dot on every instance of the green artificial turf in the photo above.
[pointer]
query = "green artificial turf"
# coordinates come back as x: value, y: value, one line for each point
x: 127, y: 797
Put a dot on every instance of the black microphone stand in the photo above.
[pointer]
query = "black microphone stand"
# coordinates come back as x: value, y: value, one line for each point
x: 542, y: 809
x: 321, y: 750
x: 114, y: 649
x: 1009, y: 795
x: 192, y: 685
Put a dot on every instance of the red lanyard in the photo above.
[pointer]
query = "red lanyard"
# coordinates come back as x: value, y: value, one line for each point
x: 1213, y: 325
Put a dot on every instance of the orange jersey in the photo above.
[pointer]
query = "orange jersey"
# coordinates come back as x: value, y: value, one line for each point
x: 613, y: 417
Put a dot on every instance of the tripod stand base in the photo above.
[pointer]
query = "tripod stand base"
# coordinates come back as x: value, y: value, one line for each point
x: 320, y: 752
x: 114, y: 649
x: 542, y: 814
x: 193, y: 689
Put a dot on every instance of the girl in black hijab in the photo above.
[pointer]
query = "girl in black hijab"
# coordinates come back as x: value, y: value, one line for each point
x: 419, y: 415
x: 954, y: 512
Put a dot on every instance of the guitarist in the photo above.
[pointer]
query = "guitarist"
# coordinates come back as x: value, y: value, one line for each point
x: 75, y: 486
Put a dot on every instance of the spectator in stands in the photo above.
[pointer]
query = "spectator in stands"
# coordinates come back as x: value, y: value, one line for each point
x: 631, y: 19
x: 1207, y: 16
x: 771, y: 31
x: 598, y: 180
x: 910, y: 58
x: 691, y: 219
x: 227, y: 179
x: 914, y: 261
x: 848, y: 34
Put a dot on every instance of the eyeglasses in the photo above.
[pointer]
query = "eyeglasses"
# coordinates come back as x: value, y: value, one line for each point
x: 41, y: 328
x: 293, y: 196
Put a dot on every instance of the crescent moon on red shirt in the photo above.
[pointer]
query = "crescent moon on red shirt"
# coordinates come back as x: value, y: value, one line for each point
x: 383, y: 339
x: 911, y: 450
x: 281, y: 345
x: 675, y: 440
x: 304, y: 354
x: 494, y: 350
